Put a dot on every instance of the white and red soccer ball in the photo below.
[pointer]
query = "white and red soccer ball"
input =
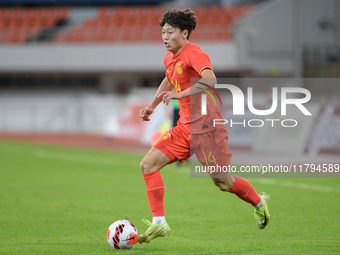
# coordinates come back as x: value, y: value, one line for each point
x: 122, y: 234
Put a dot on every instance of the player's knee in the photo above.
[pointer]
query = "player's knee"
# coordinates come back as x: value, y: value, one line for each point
x: 224, y: 187
x: 226, y: 184
x: 229, y: 184
x: 145, y: 167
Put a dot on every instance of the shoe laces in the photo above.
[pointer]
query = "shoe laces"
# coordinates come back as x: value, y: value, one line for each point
x: 147, y: 222
x: 259, y: 214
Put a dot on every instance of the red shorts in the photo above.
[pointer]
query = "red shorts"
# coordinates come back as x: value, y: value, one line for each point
x: 175, y: 144
x: 210, y: 148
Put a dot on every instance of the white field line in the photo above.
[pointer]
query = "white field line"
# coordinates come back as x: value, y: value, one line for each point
x: 67, y: 156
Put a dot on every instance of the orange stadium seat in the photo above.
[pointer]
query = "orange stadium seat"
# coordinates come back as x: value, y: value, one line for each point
x: 11, y: 35
x: 2, y: 35
x: 133, y: 34
x: 61, y: 13
x: 148, y: 33
x: 102, y: 11
x: 156, y: 34
x: 3, y: 12
x: 195, y: 36
x: 76, y: 35
x: 22, y: 36
x: 111, y: 35
x: 100, y: 34
x: 60, y: 37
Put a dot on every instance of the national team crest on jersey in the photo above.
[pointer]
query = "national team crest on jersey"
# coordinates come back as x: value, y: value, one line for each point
x: 166, y: 136
x: 179, y: 68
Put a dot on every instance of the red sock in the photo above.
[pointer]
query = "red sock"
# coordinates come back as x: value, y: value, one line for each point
x: 155, y: 192
x: 243, y: 189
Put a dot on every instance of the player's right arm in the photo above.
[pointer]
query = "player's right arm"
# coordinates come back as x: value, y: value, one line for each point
x: 147, y: 111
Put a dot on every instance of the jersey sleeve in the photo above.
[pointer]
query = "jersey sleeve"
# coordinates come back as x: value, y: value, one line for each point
x: 199, y: 61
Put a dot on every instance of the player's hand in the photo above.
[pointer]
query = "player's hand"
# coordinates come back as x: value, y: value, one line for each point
x: 168, y: 95
x: 145, y: 113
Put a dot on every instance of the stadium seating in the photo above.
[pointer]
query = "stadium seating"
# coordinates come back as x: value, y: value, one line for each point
x: 113, y: 24
x: 136, y: 24
x: 19, y: 25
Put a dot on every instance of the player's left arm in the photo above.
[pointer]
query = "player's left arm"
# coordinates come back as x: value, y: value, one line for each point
x: 208, y: 77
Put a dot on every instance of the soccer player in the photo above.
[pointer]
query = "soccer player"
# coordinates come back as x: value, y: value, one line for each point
x: 194, y: 132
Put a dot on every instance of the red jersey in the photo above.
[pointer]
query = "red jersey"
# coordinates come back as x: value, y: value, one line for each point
x: 180, y: 70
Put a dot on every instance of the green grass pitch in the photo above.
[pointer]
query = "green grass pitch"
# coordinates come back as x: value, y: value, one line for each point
x: 58, y: 200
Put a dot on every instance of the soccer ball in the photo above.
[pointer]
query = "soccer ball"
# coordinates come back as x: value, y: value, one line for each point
x: 122, y: 234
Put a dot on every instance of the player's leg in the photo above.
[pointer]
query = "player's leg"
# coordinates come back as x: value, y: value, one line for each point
x: 245, y: 191
x: 224, y: 183
x: 153, y: 161
x: 171, y: 147
x: 150, y: 166
x: 238, y: 186
x: 216, y: 143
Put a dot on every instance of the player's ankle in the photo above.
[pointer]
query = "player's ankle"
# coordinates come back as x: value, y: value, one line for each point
x: 260, y: 204
x: 158, y: 220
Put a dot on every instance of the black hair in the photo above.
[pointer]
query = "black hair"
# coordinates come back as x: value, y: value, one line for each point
x: 183, y: 19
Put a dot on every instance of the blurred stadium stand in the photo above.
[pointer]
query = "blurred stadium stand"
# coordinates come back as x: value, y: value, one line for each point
x: 22, y: 25
x: 111, y: 24
x: 139, y: 24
